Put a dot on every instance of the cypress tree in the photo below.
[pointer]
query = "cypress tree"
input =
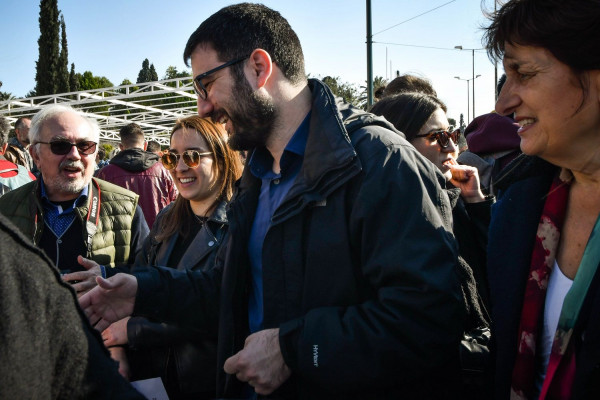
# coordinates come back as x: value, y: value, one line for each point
x: 153, y: 75
x: 144, y: 75
x: 73, y: 81
x: 63, y: 66
x: 46, y: 74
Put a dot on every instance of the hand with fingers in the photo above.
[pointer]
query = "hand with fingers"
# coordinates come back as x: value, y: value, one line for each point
x: 83, y: 281
x: 260, y: 362
x: 110, y: 301
x: 116, y: 333
x: 466, y: 178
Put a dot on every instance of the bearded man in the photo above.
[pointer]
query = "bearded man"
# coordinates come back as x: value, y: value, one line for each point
x: 66, y: 212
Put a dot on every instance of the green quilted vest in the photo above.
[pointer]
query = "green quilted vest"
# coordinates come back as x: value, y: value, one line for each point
x: 111, y: 242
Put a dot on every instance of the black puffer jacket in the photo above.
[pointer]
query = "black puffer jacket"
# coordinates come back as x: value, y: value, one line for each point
x: 184, y: 358
x: 359, y: 269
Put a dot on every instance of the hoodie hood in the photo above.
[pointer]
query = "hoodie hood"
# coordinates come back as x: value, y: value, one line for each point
x: 134, y: 160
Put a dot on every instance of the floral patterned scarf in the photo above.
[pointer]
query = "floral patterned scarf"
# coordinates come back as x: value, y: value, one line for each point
x: 560, y: 373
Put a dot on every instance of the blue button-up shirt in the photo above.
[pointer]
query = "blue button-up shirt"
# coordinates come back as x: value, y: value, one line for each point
x: 56, y: 217
x: 273, y: 190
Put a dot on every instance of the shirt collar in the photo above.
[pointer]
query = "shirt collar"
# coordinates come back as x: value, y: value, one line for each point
x: 79, y: 200
x: 261, y: 161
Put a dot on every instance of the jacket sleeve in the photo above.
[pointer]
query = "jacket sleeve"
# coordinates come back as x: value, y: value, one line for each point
x: 166, y: 294
x: 410, y: 325
x: 142, y: 333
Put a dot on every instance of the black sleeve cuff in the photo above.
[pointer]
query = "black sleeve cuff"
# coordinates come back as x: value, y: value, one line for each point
x: 289, y: 335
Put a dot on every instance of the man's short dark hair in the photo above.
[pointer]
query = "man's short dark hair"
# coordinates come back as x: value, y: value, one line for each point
x: 4, y: 130
x: 19, y: 122
x: 237, y: 30
x: 153, y: 146
x: 131, y: 135
x: 409, y: 83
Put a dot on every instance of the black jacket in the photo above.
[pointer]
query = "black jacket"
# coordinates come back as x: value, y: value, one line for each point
x: 184, y: 358
x: 359, y: 268
x: 515, y: 219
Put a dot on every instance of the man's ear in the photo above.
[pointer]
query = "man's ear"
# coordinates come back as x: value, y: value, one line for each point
x: 120, y: 147
x: 33, y: 152
x: 261, y: 67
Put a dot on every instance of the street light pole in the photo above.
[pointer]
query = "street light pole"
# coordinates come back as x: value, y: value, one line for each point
x: 466, y: 80
x: 473, y: 74
x: 469, y: 80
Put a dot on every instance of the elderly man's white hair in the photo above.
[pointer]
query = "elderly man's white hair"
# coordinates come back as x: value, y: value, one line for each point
x: 52, y: 111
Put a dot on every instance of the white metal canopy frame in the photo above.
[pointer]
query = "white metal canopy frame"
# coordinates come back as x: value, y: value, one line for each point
x: 155, y: 106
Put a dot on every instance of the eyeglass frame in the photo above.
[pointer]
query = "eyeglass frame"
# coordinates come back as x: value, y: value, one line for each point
x: 80, y: 151
x: 178, y: 156
x: 447, y: 134
x: 199, y: 87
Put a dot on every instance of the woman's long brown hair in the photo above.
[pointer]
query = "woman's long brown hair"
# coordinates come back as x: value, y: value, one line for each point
x: 227, y: 168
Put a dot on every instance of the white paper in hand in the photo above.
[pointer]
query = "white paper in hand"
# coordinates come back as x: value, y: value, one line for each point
x: 152, y: 389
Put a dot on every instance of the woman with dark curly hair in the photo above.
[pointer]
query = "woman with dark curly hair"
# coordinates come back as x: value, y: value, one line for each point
x: 544, y: 241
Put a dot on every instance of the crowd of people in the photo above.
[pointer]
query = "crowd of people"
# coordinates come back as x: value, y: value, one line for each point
x: 287, y: 245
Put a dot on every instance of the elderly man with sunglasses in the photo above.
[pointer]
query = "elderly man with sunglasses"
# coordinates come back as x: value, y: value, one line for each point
x: 67, y: 213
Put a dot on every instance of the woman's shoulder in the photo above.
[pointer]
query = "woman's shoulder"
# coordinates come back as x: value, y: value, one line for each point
x: 522, y: 168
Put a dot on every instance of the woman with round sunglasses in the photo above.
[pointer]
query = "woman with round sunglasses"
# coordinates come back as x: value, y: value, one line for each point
x: 422, y: 119
x: 185, y: 236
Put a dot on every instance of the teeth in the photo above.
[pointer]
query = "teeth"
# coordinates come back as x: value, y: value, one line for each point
x: 525, y: 122
x: 187, y: 180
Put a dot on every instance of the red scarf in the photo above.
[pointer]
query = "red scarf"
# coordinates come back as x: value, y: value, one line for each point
x: 542, y: 262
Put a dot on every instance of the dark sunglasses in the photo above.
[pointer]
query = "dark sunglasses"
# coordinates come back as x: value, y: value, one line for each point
x: 443, y: 137
x: 199, y: 86
x: 191, y: 158
x: 62, y: 147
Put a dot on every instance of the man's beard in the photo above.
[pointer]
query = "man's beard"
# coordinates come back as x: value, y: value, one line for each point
x: 65, y: 185
x: 251, y: 115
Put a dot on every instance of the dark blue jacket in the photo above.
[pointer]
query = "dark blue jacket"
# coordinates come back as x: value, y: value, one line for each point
x: 359, y: 269
x: 515, y: 218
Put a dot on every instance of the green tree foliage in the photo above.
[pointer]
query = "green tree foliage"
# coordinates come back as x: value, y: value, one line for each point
x: 346, y: 91
x: 147, y: 73
x: 64, y: 83
x: 46, y: 75
x: 378, y: 84
x: 153, y: 74
x: 172, y: 73
x: 73, y: 80
x: 87, y: 81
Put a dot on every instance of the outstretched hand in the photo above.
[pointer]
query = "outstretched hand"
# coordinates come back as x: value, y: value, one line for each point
x: 83, y: 281
x: 110, y: 301
x: 260, y: 362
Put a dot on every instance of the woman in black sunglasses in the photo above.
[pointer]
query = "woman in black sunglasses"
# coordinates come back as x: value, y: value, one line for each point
x: 185, y: 236
x: 422, y: 119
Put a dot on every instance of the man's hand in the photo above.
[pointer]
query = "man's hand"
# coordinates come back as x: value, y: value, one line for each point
x: 86, y: 279
x: 466, y: 178
x: 118, y: 354
x: 116, y: 334
x: 260, y: 362
x: 110, y: 301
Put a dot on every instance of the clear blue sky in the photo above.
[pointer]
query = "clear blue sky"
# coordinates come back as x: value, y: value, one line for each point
x: 112, y: 37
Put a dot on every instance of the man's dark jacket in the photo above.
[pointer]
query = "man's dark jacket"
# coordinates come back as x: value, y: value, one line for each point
x: 142, y: 173
x: 515, y: 219
x: 358, y: 269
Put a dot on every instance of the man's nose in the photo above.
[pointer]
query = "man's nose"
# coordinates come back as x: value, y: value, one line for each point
x: 205, y: 107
